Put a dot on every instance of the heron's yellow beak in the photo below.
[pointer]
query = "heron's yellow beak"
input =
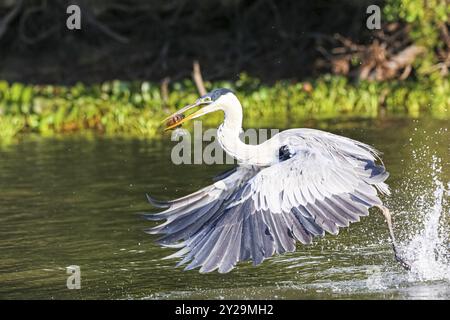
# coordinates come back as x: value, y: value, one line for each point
x: 177, y: 118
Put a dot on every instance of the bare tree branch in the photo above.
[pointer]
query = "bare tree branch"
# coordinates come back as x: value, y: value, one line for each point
x: 198, y: 79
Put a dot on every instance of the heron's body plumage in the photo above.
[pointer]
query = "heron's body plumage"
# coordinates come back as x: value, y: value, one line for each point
x: 297, y: 185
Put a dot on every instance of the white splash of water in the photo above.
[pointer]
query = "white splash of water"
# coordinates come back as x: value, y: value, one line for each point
x: 428, y: 248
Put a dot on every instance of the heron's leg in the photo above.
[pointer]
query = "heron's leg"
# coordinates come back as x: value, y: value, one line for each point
x: 387, y: 216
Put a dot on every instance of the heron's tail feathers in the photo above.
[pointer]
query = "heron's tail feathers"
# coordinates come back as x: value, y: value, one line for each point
x: 383, y: 188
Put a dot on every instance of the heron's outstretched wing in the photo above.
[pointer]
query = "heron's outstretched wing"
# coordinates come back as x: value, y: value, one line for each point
x: 194, y: 220
x: 254, y: 213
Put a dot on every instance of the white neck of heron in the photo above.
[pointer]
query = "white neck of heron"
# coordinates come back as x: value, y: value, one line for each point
x: 229, y: 132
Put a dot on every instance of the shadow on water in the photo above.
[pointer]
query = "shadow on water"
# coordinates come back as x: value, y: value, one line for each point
x: 74, y: 201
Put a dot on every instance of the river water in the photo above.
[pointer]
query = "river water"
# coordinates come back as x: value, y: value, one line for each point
x: 74, y: 200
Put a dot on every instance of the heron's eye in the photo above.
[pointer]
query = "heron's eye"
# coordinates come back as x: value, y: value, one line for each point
x: 207, y: 99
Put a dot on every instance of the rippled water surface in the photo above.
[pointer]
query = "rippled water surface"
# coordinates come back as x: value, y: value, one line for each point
x: 75, y: 201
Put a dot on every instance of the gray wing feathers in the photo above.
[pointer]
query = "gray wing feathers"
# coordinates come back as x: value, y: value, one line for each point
x: 253, y: 213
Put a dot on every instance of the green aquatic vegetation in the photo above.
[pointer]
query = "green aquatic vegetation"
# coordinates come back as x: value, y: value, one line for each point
x: 136, y: 108
x: 10, y: 126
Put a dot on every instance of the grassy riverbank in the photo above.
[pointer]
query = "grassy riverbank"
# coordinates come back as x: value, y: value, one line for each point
x: 136, y: 108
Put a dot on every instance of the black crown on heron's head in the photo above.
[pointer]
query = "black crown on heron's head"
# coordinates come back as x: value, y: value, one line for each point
x: 217, y: 93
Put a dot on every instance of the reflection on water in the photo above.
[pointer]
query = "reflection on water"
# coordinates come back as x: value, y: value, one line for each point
x: 74, y: 201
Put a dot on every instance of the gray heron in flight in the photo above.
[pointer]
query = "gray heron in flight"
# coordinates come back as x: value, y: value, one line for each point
x: 297, y: 185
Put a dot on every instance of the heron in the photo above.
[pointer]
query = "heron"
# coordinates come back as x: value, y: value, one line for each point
x: 299, y: 184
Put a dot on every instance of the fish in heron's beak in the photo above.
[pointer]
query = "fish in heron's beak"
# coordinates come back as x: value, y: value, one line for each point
x: 177, y: 119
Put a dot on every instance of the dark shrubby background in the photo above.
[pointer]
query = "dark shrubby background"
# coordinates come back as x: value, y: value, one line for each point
x: 132, y: 62
x: 152, y: 40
